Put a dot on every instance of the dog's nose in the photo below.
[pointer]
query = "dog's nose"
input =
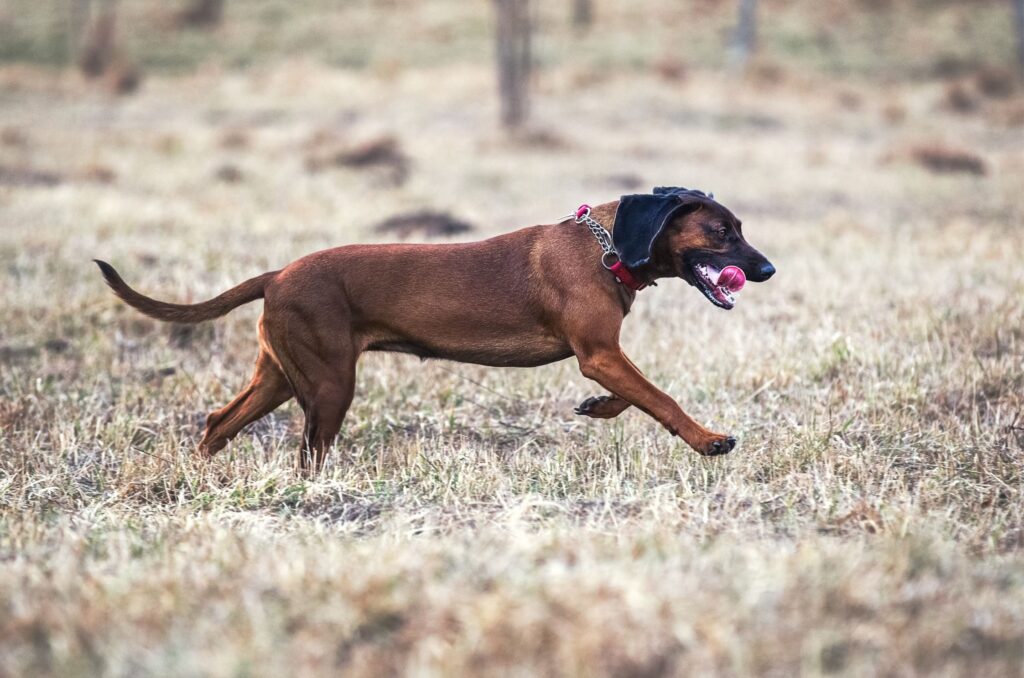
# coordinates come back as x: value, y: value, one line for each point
x: 766, y: 271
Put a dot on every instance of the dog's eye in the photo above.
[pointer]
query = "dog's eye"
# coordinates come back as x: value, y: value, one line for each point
x: 722, y: 232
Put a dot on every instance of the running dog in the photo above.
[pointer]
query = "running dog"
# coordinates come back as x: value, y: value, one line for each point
x: 521, y: 299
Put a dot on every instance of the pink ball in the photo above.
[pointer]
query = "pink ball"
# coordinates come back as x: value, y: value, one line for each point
x: 732, y: 278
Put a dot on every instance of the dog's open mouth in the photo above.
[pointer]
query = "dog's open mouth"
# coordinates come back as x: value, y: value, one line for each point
x: 720, y: 285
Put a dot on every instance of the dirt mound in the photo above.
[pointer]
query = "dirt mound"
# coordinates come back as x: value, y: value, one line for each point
x: 425, y: 222
x: 383, y: 153
x: 27, y: 176
x: 948, y: 159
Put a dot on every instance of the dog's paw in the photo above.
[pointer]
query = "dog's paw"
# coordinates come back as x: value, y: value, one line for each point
x: 590, y: 406
x: 207, y: 448
x: 602, y: 407
x: 717, y: 445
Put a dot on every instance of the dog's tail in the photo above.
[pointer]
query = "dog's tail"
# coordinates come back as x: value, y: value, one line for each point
x: 250, y: 290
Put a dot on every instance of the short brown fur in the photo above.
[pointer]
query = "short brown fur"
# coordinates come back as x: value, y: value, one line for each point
x: 522, y: 299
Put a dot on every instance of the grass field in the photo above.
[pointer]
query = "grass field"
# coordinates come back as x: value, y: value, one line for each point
x: 871, y: 520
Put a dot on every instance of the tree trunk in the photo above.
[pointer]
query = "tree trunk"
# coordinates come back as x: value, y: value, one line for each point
x: 97, y: 50
x: 1018, y: 16
x: 744, y: 42
x: 582, y: 13
x: 78, y: 20
x: 512, y: 40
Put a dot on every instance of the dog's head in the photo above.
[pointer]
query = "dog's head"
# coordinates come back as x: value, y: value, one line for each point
x: 688, y: 234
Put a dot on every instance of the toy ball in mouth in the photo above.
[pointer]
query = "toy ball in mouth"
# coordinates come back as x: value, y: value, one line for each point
x: 732, y: 278
x: 719, y: 286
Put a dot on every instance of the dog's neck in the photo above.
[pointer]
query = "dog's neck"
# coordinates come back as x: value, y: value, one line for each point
x: 657, y: 267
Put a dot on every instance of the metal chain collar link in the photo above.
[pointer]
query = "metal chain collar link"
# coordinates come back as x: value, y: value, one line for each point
x: 604, y: 239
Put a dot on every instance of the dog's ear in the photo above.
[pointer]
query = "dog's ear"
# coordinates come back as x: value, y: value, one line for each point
x: 640, y: 219
x: 677, y: 190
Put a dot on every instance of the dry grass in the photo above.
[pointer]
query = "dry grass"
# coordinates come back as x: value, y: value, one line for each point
x: 868, y: 523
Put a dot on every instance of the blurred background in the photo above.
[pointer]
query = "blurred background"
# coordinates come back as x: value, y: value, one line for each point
x: 123, y: 41
x: 426, y: 104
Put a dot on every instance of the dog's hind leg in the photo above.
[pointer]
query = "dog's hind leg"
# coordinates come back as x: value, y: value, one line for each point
x: 319, y: 358
x: 325, y: 403
x: 267, y: 391
x: 324, y: 416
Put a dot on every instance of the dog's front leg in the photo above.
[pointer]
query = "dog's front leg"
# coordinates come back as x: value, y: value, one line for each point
x: 602, y: 407
x: 609, y: 367
x: 607, y: 406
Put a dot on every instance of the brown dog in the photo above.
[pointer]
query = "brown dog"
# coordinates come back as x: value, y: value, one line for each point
x: 522, y: 299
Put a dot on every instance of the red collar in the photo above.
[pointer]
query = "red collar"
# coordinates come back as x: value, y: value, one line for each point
x: 626, y: 277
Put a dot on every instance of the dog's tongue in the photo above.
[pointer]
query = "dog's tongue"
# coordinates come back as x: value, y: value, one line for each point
x: 732, y: 278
